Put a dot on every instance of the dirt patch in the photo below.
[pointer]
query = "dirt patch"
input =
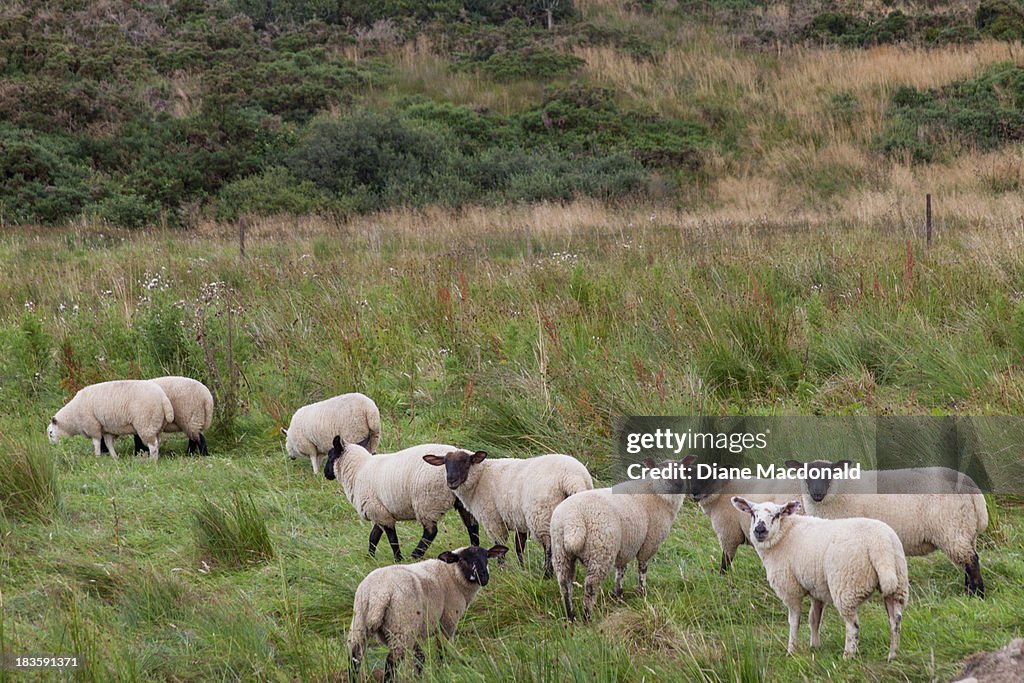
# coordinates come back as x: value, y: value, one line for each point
x: 1002, y: 666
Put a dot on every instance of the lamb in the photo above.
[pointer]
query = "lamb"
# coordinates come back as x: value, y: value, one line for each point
x: 929, y: 508
x: 394, y: 487
x: 513, y: 494
x: 105, y: 410
x: 352, y: 416
x: 834, y: 561
x: 401, y: 605
x: 609, y: 527
x: 730, y: 525
x: 193, y: 411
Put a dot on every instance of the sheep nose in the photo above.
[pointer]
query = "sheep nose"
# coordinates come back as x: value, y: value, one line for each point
x: 760, y: 528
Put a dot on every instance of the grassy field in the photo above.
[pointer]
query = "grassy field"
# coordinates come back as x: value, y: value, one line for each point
x: 516, y: 330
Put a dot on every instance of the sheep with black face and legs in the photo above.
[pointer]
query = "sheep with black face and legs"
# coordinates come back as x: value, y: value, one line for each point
x: 402, y: 605
x: 394, y: 487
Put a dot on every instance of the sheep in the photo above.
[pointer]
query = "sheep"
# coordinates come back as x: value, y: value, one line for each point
x: 401, y: 605
x: 353, y: 416
x: 834, y: 561
x: 929, y: 508
x: 394, y: 487
x: 730, y: 525
x: 193, y: 411
x: 105, y: 410
x: 609, y: 527
x: 513, y: 494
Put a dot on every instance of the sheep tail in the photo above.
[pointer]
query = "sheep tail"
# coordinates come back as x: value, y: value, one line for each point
x: 980, y: 512
x: 574, y: 538
x: 368, y: 617
x: 168, y: 410
x: 892, y: 573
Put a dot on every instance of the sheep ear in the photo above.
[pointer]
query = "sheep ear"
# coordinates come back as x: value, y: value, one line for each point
x: 741, y: 504
x: 649, y: 463
x: 793, y: 463
x: 448, y: 557
x: 338, y: 443
x: 791, y: 508
x: 284, y: 432
x: 497, y: 551
x: 689, y: 460
x: 53, y: 420
x: 842, y: 463
x: 435, y: 460
x: 478, y: 457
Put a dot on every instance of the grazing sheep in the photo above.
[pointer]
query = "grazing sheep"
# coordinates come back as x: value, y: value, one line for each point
x: 105, y: 410
x: 838, y: 561
x: 352, y: 416
x: 401, y: 605
x: 730, y: 525
x: 193, y: 411
x: 393, y: 487
x: 514, y: 494
x: 609, y: 527
x: 929, y: 508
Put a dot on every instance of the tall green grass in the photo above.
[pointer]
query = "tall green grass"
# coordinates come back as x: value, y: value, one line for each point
x: 232, y: 535
x: 29, y: 487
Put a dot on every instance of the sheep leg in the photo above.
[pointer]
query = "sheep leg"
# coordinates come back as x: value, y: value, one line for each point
x: 817, y: 606
x: 108, y: 439
x: 428, y: 536
x: 395, y: 656
x: 354, y: 662
x: 421, y: 659
x: 591, y: 586
x: 472, y: 526
x: 193, y: 446
x: 316, y: 463
x: 520, y: 547
x: 973, y: 583
x: 642, y: 572
x: 726, y: 562
x: 620, y: 574
x: 794, y: 624
x: 99, y: 446
x: 140, y: 446
x: 375, y: 533
x: 154, y: 449
x: 202, y: 445
x: 565, y: 579
x: 393, y: 540
x: 852, y: 634
x: 895, y: 611
x: 549, y: 567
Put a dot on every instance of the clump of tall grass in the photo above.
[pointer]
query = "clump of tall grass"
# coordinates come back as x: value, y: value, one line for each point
x: 231, y: 536
x: 28, y: 487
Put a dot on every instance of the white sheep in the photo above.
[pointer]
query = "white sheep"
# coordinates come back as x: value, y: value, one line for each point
x: 193, y: 411
x: 105, y: 410
x: 514, y: 494
x: 929, y: 508
x: 840, y: 561
x: 401, y: 605
x: 730, y: 525
x: 605, y: 528
x: 352, y: 416
x: 393, y: 487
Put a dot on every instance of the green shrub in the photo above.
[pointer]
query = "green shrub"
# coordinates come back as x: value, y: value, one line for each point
x: 275, y: 191
x: 28, y: 487
x: 234, y: 536
x: 44, y: 179
x: 125, y: 210
x: 531, y: 63
x: 984, y: 113
x: 1002, y: 19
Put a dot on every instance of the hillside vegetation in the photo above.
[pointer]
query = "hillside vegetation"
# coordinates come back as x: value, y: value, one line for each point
x: 139, y: 113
